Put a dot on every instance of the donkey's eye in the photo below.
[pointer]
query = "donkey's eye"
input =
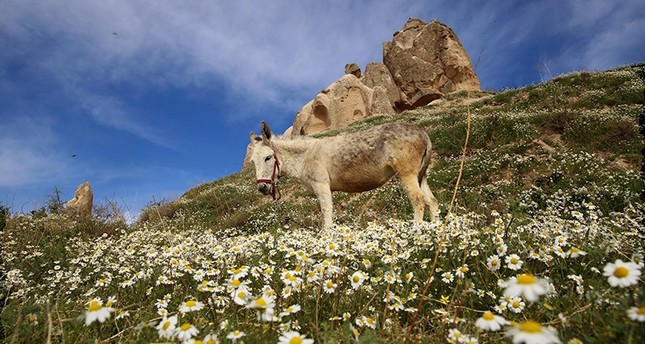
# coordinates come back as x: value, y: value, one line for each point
x: 267, y: 158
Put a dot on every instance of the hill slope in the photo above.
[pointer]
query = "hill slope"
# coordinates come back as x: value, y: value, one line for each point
x: 547, y: 235
x: 575, y: 137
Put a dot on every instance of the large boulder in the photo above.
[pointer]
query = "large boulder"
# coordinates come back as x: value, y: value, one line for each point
x: 378, y: 78
x: 341, y: 103
x: 82, y: 202
x: 426, y: 61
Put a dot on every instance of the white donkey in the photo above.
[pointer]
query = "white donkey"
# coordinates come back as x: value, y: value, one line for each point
x: 355, y: 162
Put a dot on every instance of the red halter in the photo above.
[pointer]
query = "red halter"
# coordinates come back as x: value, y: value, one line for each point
x: 273, y: 181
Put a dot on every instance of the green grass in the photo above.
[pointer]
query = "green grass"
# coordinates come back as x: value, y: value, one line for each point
x: 550, y: 167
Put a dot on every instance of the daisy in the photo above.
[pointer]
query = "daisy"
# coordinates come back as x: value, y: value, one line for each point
x: 622, y: 274
x: 454, y: 335
x: 490, y: 322
x: 447, y: 277
x: 516, y: 305
x: 186, y: 332
x: 190, y: 306
x: 531, y: 332
x: 357, y: 279
x: 290, y: 310
x: 493, y: 262
x: 575, y: 252
x: 461, y: 271
x: 210, y: 339
x: 514, y: 262
x: 329, y: 286
x: 527, y: 286
x: 240, y: 295
x: 166, y: 327
x: 637, y: 313
x: 235, y: 335
x: 95, y: 311
x: 293, y: 337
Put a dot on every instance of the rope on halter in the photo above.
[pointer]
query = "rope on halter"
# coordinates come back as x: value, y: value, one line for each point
x: 274, y: 176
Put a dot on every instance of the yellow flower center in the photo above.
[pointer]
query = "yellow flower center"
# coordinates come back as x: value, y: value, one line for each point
x: 166, y: 325
x: 186, y: 327
x: 516, y: 304
x: 295, y: 340
x: 514, y: 260
x: 355, y: 279
x: 94, y: 306
x: 621, y: 272
x: 236, y: 282
x: 241, y: 295
x: 526, y: 279
x: 574, y: 250
x: 261, y: 302
x: 640, y: 311
x: 494, y: 262
x: 531, y: 327
x: 191, y: 303
x: 488, y: 316
x: 330, y: 284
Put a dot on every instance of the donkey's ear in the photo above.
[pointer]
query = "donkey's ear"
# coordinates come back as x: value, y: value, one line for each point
x: 254, y: 138
x: 266, y: 132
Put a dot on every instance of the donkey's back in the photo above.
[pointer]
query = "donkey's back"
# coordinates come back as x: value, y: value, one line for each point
x: 365, y: 160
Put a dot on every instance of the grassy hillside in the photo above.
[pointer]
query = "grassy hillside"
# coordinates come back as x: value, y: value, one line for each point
x: 577, y: 133
x: 549, y: 202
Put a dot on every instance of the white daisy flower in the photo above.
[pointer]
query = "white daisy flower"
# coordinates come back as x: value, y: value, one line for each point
x: 190, y: 306
x: 637, y: 313
x: 166, y: 327
x: 293, y: 337
x: 357, y: 279
x: 527, y: 286
x: 186, y: 332
x: 490, y: 322
x: 514, y: 262
x: 622, y: 274
x: 531, y: 332
x: 96, y: 312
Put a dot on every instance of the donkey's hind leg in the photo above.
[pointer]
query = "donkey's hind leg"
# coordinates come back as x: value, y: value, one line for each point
x: 415, y: 194
x: 429, y: 199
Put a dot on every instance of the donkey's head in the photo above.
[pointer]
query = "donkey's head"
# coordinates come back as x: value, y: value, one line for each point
x: 267, y: 166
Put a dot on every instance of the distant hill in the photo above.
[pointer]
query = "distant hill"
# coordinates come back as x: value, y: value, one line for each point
x: 570, y: 140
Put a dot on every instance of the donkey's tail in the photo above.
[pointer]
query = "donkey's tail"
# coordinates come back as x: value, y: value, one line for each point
x: 425, y: 162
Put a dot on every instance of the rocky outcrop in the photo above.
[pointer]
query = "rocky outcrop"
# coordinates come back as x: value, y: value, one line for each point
x: 427, y: 61
x: 338, y: 105
x: 422, y: 63
x: 82, y: 202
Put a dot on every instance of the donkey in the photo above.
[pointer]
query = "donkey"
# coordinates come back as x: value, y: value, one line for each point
x: 354, y: 162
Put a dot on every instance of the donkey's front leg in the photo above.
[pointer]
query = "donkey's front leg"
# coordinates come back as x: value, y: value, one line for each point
x: 323, y: 192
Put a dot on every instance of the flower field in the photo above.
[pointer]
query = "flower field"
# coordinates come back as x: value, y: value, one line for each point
x: 545, y: 244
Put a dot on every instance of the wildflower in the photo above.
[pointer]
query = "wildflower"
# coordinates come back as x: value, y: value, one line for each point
x: 622, y: 274
x: 122, y: 314
x: 166, y: 327
x: 490, y: 322
x: 186, y: 332
x: 293, y: 337
x: 329, y: 286
x: 461, y: 271
x: 454, y: 335
x: 531, y: 332
x: 516, y: 305
x: 235, y: 335
x: 501, y: 249
x: 264, y: 304
x: 190, y: 306
x: 290, y: 310
x: 210, y: 339
x: 575, y: 252
x: 637, y: 313
x: 493, y: 262
x: 240, y: 295
x: 447, y: 277
x: 357, y: 279
x: 514, y: 262
x: 96, y: 311
x: 527, y: 286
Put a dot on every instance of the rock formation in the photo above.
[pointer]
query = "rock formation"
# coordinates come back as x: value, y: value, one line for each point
x: 427, y: 61
x: 82, y: 202
x: 338, y: 105
x: 423, y: 62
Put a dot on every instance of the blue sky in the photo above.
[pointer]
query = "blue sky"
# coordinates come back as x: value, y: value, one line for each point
x: 146, y: 99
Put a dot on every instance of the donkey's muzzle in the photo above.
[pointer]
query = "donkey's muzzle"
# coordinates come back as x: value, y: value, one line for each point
x: 264, y: 188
